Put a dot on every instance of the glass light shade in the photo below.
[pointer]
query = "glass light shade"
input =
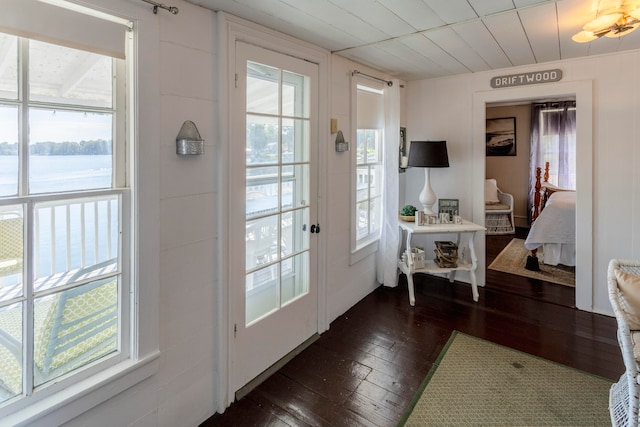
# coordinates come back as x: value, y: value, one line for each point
x: 635, y: 13
x: 584, y: 36
x: 602, y: 22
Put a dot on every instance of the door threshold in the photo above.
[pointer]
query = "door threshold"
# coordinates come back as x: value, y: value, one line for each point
x: 244, y: 390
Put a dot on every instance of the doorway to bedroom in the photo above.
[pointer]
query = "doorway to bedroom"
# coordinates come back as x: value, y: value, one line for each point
x: 520, y: 139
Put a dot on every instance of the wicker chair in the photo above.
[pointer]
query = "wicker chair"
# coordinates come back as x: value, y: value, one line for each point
x: 624, y: 295
x: 498, y: 208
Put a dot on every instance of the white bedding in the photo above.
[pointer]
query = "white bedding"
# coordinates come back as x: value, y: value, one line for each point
x: 555, y: 230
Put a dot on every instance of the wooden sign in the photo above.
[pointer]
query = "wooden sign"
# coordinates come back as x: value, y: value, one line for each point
x: 524, y: 79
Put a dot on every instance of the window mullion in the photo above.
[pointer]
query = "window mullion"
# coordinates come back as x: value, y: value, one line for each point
x: 28, y: 308
x: 23, y: 135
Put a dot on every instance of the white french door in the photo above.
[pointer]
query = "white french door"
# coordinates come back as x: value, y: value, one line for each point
x: 274, y: 154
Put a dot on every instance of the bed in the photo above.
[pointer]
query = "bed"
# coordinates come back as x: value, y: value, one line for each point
x: 553, y: 230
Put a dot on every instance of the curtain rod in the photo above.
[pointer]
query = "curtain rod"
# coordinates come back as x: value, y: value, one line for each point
x: 156, y: 5
x: 388, y: 82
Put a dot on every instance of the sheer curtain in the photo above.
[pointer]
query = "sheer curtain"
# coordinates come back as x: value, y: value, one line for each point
x: 387, y: 255
x: 553, y: 140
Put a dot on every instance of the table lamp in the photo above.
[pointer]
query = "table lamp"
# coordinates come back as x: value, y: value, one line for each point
x: 428, y: 154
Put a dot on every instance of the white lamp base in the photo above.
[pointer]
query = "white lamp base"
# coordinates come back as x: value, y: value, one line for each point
x: 427, y: 196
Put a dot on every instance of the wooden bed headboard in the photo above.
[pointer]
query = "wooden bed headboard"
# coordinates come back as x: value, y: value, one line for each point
x: 543, y: 190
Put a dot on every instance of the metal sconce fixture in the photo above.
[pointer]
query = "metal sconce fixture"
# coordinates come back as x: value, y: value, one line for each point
x: 341, y: 144
x: 188, y: 141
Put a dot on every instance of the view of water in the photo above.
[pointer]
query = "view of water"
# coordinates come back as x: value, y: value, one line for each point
x: 66, y: 173
x: 57, y: 173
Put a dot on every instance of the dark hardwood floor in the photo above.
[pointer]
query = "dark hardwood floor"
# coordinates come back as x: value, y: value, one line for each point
x: 367, y: 367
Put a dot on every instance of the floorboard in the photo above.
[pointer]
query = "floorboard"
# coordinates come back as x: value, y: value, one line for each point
x: 366, y: 369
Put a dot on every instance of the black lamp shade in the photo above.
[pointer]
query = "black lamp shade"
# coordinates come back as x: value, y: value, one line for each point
x: 428, y: 154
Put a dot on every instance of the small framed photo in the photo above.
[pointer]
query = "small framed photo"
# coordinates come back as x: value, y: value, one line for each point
x: 432, y: 219
x: 448, y: 207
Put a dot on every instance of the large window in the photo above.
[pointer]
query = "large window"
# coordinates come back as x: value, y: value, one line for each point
x: 368, y: 166
x: 63, y: 210
x: 554, y: 141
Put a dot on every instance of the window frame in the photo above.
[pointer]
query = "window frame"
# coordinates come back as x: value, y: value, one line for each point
x: 549, y: 146
x: 30, y: 202
x: 362, y: 248
x: 63, y: 401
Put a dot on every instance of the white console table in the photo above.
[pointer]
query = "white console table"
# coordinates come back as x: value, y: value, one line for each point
x: 467, y: 228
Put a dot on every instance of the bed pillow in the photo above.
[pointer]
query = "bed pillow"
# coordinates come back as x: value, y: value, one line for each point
x: 491, y: 192
x: 629, y: 286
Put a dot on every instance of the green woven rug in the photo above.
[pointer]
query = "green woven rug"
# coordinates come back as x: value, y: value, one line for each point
x: 513, y: 258
x: 475, y: 382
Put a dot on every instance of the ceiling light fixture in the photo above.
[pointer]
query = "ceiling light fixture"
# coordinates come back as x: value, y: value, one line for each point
x: 610, y: 23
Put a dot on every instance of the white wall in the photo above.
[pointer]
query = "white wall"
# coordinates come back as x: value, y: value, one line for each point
x: 346, y: 284
x: 512, y: 172
x: 443, y: 108
x: 177, y: 68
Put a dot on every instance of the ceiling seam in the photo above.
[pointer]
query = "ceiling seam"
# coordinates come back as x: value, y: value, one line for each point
x: 441, y: 27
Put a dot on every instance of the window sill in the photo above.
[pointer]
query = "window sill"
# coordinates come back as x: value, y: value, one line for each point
x: 363, y: 252
x: 84, y: 395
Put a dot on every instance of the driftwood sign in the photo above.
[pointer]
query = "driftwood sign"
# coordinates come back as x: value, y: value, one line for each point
x: 524, y: 79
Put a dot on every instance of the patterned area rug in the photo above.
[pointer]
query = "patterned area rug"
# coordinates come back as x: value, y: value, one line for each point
x: 513, y: 258
x: 475, y: 382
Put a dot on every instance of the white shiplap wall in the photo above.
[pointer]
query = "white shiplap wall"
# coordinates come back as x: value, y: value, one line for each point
x: 442, y: 108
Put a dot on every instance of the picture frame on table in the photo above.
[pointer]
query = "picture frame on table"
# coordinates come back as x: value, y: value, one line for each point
x: 447, y: 209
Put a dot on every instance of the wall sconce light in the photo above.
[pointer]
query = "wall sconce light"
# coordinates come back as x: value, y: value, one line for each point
x: 188, y: 141
x: 341, y: 144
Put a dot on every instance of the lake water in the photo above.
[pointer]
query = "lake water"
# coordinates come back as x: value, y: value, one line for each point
x: 67, y: 173
x: 57, y: 173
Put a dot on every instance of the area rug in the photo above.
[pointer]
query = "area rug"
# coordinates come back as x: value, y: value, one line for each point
x: 513, y: 258
x: 475, y: 382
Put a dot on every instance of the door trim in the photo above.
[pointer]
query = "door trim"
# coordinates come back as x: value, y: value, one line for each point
x: 583, y: 92
x: 230, y: 30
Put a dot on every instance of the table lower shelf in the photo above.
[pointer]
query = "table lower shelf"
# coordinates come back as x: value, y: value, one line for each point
x: 432, y: 268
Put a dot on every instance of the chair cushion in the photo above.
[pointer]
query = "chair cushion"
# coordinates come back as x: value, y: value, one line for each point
x: 497, y: 207
x: 491, y: 192
x: 629, y: 286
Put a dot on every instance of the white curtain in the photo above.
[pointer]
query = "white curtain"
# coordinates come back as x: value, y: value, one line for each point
x: 387, y: 255
x: 553, y: 140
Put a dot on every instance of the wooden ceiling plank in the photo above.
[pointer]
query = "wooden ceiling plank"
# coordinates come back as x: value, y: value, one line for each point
x: 452, y: 12
x: 524, y: 3
x: 375, y: 14
x: 433, y: 52
x: 415, y: 13
x: 541, y: 26
x: 391, y: 63
x: 510, y: 35
x: 476, y: 35
x: 449, y: 41
x: 488, y: 7
x: 327, y: 12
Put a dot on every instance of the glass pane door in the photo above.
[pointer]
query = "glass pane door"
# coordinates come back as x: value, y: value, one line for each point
x: 277, y: 189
